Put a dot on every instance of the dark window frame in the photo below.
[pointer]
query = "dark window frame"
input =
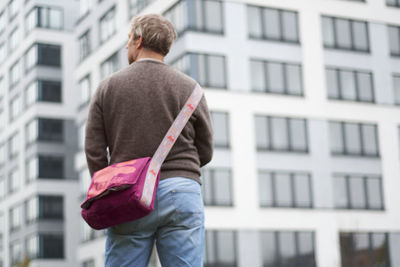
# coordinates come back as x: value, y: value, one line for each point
x: 227, y: 122
x: 211, y: 175
x: 335, y: 36
x: 112, y: 9
x: 288, y: 135
x: 86, y: 103
x: 215, y: 246
x: 292, y: 175
x: 397, y: 27
x: 364, y: 177
x: 263, y: 33
x: 396, y: 4
x: 37, y: 8
x: 83, y: 56
x: 61, y: 160
x: 360, y: 126
x: 355, y: 72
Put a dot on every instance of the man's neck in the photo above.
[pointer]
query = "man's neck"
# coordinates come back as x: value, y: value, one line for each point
x: 151, y: 55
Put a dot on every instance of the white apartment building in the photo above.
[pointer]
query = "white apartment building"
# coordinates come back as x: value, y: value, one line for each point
x: 304, y: 96
x: 38, y: 136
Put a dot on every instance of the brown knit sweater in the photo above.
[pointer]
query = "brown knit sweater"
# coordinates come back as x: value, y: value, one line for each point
x: 132, y: 110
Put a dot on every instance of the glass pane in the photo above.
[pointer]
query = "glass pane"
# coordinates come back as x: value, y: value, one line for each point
x: 352, y: 137
x: 348, y: 85
x: 262, y: 134
x: 374, y: 193
x: 265, y: 189
x: 396, y: 87
x: 369, y: 136
x: 275, y: 79
x: 364, y: 82
x: 327, y: 31
x: 283, y: 190
x: 294, y: 81
x: 199, y: 14
x: 271, y: 23
x: 298, y: 137
x: 210, y: 256
x: 380, y: 249
x: 360, y: 35
x: 289, y: 26
x: 226, y: 247
x: 394, y: 40
x: 306, y: 250
x: 340, y: 191
x: 254, y: 21
x: 268, y: 249
x: 357, y: 193
x: 287, y: 248
x: 220, y: 127
x: 332, y: 83
x: 361, y: 250
x: 394, y: 247
x: 346, y: 249
x: 279, y: 133
x: 216, y: 71
x: 222, y: 188
x: 258, y: 76
x: 302, y: 190
x: 55, y: 19
x: 213, y: 16
x: 343, y: 33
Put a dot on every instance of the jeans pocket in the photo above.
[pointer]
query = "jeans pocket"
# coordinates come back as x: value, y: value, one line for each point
x: 189, y: 207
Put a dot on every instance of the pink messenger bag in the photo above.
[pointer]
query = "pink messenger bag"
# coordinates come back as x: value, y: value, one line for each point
x: 126, y: 191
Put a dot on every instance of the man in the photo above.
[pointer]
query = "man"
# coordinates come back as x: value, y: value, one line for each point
x: 130, y: 113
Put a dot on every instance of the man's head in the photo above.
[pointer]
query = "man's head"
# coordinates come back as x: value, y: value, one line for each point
x: 150, y: 35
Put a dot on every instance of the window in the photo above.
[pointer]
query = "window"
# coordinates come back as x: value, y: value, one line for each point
x: 44, y: 17
x: 3, y: 22
x: 13, y: 7
x: 15, y: 73
x: 220, y: 248
x: 346, y: 34
x: 2, y: 121
x: 85, y: 90
x: 31, y: 20
x: 15, y: 107
x: 32, y: 169
x: 110, y: 65
x: 14, y: 181
x: 394, y: 3
x: 217, y: 187
x: 221, y: 129
x: 282, y: 249
x: 281, y: 134
x: 276, y: 77
x: 16, y: 252
x: 272, y: 24
x: 358, y: 191
x: 88, y: 263
x: 14, y: 40
x: 49, y: 55
x: 135, y: 6
x: 107, y: 25
x: 369, y: 249
x: 2, y: 154
x: 84, y: 45
x: 43, y: 54
x: 2, y: 233
x: 81, y: 136
x: 43, y: 129
x: 356, y: 139
x: 15, y: 217
x: 84, y: 181
x: 3, y: 190
x: 3, y: 52
x: 285, y: 189
x: 51, y: 167
x: 44, y: 208
x: 13, y: 144
x: 350, y: 85
x: 193, y: 15
x: 43, y: 91
x: 396, y: 88
x: 208, y: 70
x: 45, y: 246
x: 85, y: 6
x: 394, y: 40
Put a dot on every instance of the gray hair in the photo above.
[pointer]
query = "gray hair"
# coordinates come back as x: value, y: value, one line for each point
x: 157, y: 32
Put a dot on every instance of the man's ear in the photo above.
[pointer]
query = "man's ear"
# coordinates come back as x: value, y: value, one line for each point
x: 139, y: 42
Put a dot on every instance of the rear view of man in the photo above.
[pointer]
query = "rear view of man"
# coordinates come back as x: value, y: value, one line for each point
x: 130, y: 113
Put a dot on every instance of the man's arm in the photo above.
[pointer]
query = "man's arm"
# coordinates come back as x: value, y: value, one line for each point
x: 95, y: 135
x: 204, y: 132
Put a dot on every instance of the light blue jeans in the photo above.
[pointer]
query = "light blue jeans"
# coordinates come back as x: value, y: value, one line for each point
x: 176, y: 225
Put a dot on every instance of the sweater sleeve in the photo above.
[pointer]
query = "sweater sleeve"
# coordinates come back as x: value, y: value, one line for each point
x: 204, y: 132
x: 95, y: 135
